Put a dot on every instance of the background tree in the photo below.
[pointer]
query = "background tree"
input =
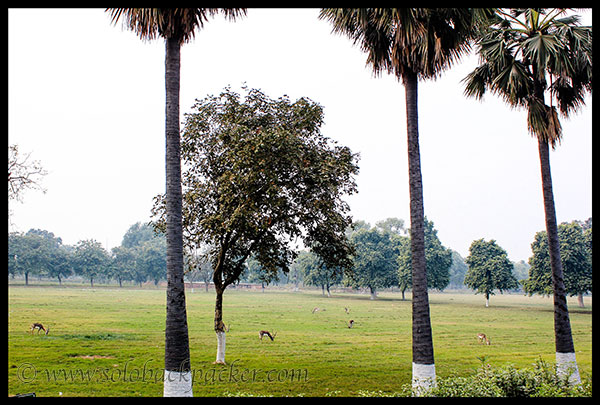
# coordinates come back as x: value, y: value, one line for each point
x: 90, y: 259
x: 255, y: 273
x: 521, y: 270
x: 177, y: 26
x: 392, y: 225
x: 33, y: 253
x: 411, y: 44
x: 374, y: 259
x: 457, y: 271
x: 21, y: 254
x: 437, y: 257
x: 575, y: 255
x: 527, y: 55
x: 315, y: 273
x: 122, y: 264
x: 489, y: 269
x: 198, y: 265
x: 259, y: 177
x: 151, y: 259
x: 60, y: 261
x: 139, y: 233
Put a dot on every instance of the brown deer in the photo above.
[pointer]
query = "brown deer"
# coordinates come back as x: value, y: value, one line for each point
x: 266, y: 332
x: 483, y: 338
x: 39, y: 328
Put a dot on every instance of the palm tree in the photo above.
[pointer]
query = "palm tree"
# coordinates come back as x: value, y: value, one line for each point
x: 412, y: 44
x: 176, y: 26
x: 525, y: 55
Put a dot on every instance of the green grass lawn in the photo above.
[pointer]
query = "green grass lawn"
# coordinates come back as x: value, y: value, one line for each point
x: 110, y: 342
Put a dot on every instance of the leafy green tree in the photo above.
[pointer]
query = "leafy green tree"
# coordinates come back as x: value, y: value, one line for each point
x: 90, y: 259
x: 177, y: 26
x: 458, y: 269
x: 521, y: 270
x: 260, y: 176
x: 529, y: 54
x: 489, y: 269
x: 255, y: 273
x: 22, y: 255
x: 139, y: 233
x: 437, y: 257
x: 374, y: 260
x: 575, y: 255
x: 60, y: 262
x: 122, y: 264
x: 392, y: 225
x: 34, y: 253
x: 412, y: 44
x: 198, y: 264
x: 315, y: 273
x: 152, y: 259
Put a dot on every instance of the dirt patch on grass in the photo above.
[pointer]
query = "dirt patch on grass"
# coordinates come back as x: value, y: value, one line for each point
x: 94, y: 356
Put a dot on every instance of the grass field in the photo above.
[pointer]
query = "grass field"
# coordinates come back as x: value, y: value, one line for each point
x: 110, y: 342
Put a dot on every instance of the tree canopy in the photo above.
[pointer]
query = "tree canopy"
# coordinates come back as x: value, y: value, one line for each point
x: 489, y: 269
x: 576, y: 255
x: 258, y: 176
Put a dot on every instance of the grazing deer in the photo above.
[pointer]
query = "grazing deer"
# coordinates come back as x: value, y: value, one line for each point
x: 483, y: 338
x: 266, y: 332
x: 39, y: 328
x: 351, y: 323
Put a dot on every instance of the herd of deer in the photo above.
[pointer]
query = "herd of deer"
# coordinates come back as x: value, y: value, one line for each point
x: 481, y: 337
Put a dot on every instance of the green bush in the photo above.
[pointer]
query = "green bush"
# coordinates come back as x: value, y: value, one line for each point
x: 539, y: 381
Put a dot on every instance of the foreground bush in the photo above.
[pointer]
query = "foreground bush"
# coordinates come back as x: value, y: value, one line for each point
x: 507, y: 381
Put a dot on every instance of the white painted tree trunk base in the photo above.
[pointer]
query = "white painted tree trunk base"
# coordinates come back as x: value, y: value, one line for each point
x: 423, y: 379
x: 220, y: 348
x: 177, y: 384
x: 566, y: 366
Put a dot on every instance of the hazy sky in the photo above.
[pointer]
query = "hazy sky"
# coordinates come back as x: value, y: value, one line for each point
x: 86, y: 98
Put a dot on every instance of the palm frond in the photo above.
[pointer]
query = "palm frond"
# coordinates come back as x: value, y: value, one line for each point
x: 543, y: 122
x: 179, y: 23
x: 521, y: 42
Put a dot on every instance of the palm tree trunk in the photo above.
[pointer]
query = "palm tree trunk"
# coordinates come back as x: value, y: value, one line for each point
x: 565, y: 350
x: 178, y: 378
x: 423, y: 371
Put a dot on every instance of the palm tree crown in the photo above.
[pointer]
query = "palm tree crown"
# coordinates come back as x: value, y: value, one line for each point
x: 530, y: 53
x: 423, y: 41
x: 180, y: 23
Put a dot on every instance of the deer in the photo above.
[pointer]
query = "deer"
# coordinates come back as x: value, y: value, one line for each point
x: 350, y: 323
x: 262, y: 333
x: 483, y: 338
x: 39, y: 328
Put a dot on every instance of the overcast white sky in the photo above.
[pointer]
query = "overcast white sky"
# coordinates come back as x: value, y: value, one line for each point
x: 86, y: 98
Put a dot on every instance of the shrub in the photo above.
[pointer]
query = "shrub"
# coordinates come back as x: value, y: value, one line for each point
x: 539, y: 381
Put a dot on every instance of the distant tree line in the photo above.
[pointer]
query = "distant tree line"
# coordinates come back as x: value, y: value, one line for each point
x: 140, y: 257
x: 382, y: 260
